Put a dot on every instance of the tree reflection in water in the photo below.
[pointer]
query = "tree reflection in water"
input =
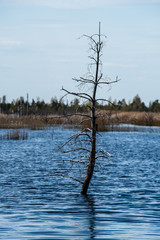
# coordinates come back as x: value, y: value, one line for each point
x: 91, y: 215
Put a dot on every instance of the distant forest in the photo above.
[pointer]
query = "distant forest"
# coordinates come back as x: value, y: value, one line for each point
x: 39, y: 107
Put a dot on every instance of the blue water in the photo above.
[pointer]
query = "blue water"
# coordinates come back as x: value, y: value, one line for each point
x: 123, y: 201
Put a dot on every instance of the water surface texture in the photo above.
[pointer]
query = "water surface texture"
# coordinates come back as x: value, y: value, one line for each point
x: 123, y: 200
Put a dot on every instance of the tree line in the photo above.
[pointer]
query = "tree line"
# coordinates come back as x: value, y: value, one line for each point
x: 24, y: 107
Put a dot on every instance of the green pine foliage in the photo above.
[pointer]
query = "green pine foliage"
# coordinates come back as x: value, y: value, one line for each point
x: 40, y: 107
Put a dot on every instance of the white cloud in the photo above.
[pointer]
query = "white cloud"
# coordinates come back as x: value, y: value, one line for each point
x: 75, y: 4
x: 4, y: 67
x: 9, y: 43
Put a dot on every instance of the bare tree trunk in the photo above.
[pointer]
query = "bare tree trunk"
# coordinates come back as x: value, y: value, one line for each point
x: 92, y: 159
x: 91, y: 165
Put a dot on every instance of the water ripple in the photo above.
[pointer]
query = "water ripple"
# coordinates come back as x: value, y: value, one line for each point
x: 123, y: 200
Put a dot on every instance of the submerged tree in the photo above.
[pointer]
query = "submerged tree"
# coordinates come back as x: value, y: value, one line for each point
x: 86, y: 139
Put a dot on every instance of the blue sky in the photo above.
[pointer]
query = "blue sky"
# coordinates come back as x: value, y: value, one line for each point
x: 40, y: 49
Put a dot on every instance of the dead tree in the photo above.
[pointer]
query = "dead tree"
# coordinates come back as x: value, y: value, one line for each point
x: 86, y: 139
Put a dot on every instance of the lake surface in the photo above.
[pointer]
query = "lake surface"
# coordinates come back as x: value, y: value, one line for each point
x: 123, y: 200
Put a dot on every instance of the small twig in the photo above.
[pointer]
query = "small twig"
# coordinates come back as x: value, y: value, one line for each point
x: 71, y: 160
x: 104, y: 152
x: 77, y: 149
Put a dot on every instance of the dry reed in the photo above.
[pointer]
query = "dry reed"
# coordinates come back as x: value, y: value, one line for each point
x: 15, y: 135
x: 104, y: 119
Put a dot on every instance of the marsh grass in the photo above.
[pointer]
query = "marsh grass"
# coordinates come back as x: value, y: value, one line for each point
x: 105, y: 120
x: 15, y: 134
x: 137, y: 118
x: 16, y: 122
x: 111, y: 120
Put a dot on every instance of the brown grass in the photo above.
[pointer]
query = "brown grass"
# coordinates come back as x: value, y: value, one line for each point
x: 15, y: 135
x: 16, y: 122
x: 104, y: 119
x: 137, y: 118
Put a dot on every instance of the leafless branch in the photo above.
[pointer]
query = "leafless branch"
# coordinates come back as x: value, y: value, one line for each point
x: 75, y: 136
x: 77, y: 149
x: 60, y: 174
x: 87, y: 130
x: 84, y: 133
x: 100, y: 77
x: 71, y: 160
x: 110, y: 82
x: 84, y: 80
x: 104, y: 152
x: 92, y: 58
x: 75, y: 179
x: 102, y: 99
x: 84, y: 120
x: 91, y: 38
x: 80, y: 95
